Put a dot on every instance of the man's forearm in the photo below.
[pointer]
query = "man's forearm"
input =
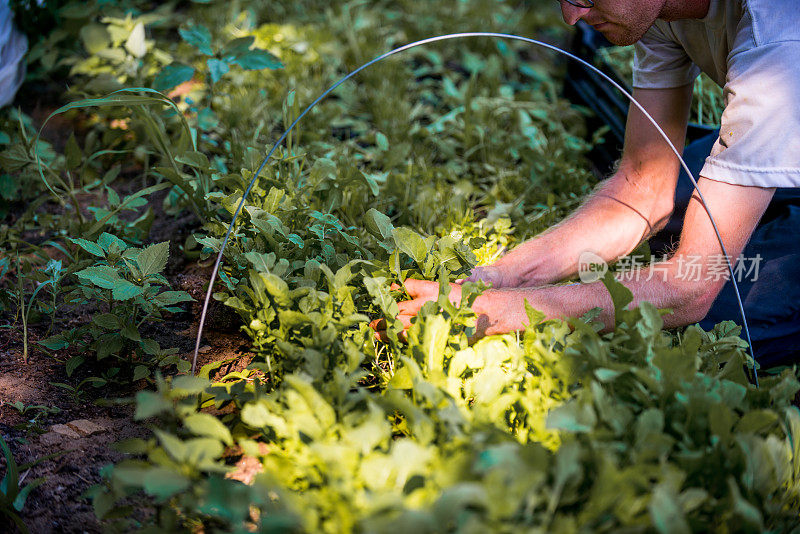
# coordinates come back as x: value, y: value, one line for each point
x: 611, y: 223
x: 625, y: 209
x: 503, y: 310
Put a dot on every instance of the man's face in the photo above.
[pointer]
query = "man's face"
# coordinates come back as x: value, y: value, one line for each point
x: 623, y: 22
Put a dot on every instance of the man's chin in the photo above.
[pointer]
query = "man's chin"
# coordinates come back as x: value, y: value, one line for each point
x: 620, y: 37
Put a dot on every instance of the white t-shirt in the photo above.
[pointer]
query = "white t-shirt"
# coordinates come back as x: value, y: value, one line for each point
x: 751, y: 48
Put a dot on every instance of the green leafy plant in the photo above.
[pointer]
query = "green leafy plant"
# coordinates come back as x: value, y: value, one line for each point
x: 566, y: 428
x: 127, y: 285
x: 78, y: 391
x: 49, y: 277
x: 34, y: 415
x: 432, y: 163
x: 13, y: 493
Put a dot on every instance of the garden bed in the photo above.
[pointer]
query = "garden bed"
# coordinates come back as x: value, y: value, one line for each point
x: 299, y: 419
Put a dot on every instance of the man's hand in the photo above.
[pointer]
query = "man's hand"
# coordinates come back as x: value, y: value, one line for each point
x: 420, y: 291
x: 491, y: 275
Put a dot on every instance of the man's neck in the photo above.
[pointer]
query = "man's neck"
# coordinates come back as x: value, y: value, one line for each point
x: 684, y: 9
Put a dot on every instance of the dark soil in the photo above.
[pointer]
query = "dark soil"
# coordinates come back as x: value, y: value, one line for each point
x: 82, y: 431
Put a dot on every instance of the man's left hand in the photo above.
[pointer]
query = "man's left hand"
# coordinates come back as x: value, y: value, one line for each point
x: 420, y: 291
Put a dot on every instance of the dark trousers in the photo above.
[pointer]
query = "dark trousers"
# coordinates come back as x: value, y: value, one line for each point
x: 771, y: 292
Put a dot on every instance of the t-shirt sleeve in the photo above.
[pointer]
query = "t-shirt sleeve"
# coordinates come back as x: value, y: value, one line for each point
x: 661, y: 63
x: 759, y: 142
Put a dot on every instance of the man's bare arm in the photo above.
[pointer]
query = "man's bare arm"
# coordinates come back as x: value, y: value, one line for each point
x: 690, y: 294
x: 736, y: 210
x: 632, y: 204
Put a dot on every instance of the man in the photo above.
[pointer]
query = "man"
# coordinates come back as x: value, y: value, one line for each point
x: 752, y: 48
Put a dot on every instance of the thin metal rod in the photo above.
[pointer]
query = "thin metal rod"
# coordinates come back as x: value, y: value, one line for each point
x: 459, y: 36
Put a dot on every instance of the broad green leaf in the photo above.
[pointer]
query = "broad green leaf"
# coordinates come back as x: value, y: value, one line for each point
x: 198, y: 36
x: 207, y: 119
x: 757, y: 421
x: 373, y: 180
x: 237, y: 47
x: 153, y: 259
x: 277, y: 288
x: 381, y: 141
x: 257, y: 59
x: 72, y: 153
x: 744, y: 510
x: 124, y: 290
x: 620, y: 295
x: 9, y: 188
x: 203, y: 424
x: 101, y: 276
x: 56, y: 342
x: 135, y: 43
x: 262, y: 262
x: 140, y: 372
x: 150, y: 346
x: 401, y: 379
x: 162, y: 482
x: 378, y: 288
x: 572, y: 416
x: 173, y: 445
x: 95, y: 37
x: 172, y: 75
x: 436, y: 330
x: 88, y: 246
x: 108, y: 344
x: 259, y: 415
x: 130, y: 331
x: 131, y: 446
x: 14, y: 158
x: 149, y: 404
x: 187, y: 385
x: 319, y: 406
x: 109, y: 321
x: 106, y: 240
x: 296, y: 239
x: 169, y: 298
x: 411, y: 243
x: 130, y: 473
x: 193, y: 158
x: 217, y: 69
x: 378, y: 224
x: 201, y: 452
x: 666, y: 512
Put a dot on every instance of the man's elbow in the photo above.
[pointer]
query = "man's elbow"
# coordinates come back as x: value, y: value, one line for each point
x: 693, y: 302
x: 660, y: 218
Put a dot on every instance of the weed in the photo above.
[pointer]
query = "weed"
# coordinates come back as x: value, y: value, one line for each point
x: 126, y: 284
x: 34, y: 414
x: 13, y: 493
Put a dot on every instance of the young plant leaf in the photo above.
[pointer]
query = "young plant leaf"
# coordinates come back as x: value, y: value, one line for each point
x: 153, y: 259
x: 199, y: 37
x: 172, y: 75
x: 411, y: 243
x: 378, y: 224
x: 257, y: 59
x: 136, y: 44
x: 101, y: 276
x: 620, y: 295
x: 88, y: 246
x: 217, y: 69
